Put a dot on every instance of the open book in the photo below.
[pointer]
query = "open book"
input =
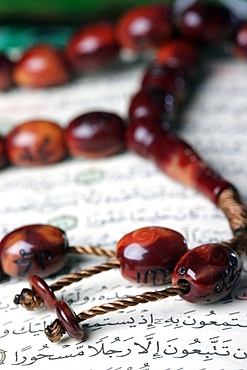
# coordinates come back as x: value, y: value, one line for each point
x: 98, y: 201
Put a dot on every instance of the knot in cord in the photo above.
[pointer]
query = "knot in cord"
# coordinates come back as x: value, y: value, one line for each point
x: 55, y: 331
x: 28, y: 299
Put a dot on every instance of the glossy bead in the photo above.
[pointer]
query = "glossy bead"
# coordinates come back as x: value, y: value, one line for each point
x: 33, y: 250
x: 3, y: 153
x: 68, y: 320
x: 148, y: 255
x: 92, y: 47
x: 95, y: 135
x: 160, y: 76
x: 141, y: 133
x: 211, y: 270
x: 179, y: 54
x: 36, y: 143
x: 44, y: 292
x: 40, y: 66
x: 6, y: 68
x: 207, y: 23
x: 153, y: 103
x: 145, y: 27
x: 180, y: 161
x: 240, y: 47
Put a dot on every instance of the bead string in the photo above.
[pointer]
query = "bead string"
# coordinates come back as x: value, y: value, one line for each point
x: 55, y: 331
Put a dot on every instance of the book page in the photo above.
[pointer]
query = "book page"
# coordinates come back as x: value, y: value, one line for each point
x: 98, y: 201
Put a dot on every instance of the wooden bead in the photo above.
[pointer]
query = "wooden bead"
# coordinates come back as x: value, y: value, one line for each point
x: 36, y: 143
x: 95, y: 135
x: 68, y: 320
x: 92, y: 47
x: 40, y: 66
x: 145, y: 27
x: 44, y: 292
x: 211, y: 270
x: 33, y: 250
x: 148, y: 255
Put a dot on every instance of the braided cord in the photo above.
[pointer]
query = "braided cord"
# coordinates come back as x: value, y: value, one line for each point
x: 77, y: 276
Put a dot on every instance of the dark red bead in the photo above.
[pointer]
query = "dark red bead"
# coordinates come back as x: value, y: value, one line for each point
x: 179, y: 54
x: 44, y: 292
x: 95, y: 134
x: 68, y: 320
x: 141, y: 133
x: 153, y: 103
x: 92, y: 47
x: 33, y: 250
x: 180, y: 161
x: 6, y: 70
x: 211, y: 271
x: 148, y: 255
x: 160, y: 76
x: 36, y: 143
x: 3, y: 153
x: 207, y: 23
x: 240, y: 47
x: 145, y: 27
x: 40, y: 66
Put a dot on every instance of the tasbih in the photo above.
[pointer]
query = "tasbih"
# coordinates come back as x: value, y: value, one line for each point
x: 150, y: 255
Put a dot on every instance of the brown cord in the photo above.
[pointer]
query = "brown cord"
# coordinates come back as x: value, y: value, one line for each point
x: 30, y: 300
x: 93, y: 250
x: 73, y: 278
x: 55, y: 331
x: 236, y: 212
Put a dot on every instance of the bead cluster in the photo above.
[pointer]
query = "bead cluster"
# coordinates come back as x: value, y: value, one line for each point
x: 152, y: 255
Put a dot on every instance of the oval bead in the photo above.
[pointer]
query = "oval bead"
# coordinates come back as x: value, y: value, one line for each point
x: 43, y: 290
x: 33, y: 250
x: 207, y: 23
x: 152, y: 103
x: 36, y: 143
x: 40, y: 66
x: 95, y: 135
x: 144, y: 27
x: 179, y: 54
x: 141, y: 133
x: 148, y: 255
x: 211, y: 270
x: 161, y: 76
x: 68, y: 320
x: 92, y: 47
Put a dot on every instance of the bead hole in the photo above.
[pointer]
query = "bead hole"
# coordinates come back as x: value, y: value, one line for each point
x: 184, y: 284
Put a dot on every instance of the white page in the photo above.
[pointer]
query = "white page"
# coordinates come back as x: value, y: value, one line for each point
x: 98, y: 201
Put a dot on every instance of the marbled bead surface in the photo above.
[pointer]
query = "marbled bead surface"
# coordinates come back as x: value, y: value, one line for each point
x: 33, y: 250
x: 211, y: 270
x: 148, y: 255
x: 36, y: 143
